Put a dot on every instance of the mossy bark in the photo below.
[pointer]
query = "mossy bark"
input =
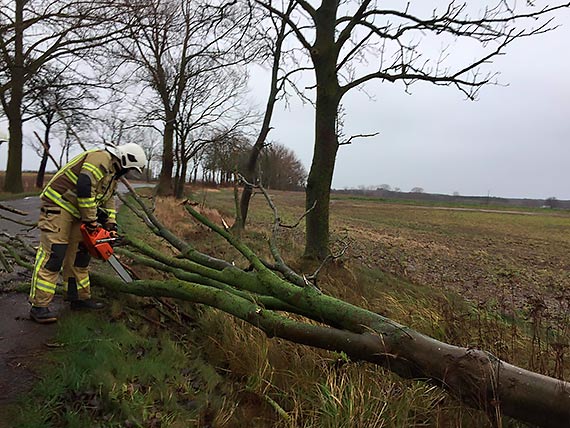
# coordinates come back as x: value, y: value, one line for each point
x: 324, y: 58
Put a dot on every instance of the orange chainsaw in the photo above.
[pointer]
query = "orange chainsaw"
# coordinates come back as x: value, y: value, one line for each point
x: 98, y: 243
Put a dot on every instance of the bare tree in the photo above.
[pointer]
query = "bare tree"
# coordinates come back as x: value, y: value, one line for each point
x: 211, y: 104
x: 167, y: 42
x: 55, y: 96
x: 34, y: 33
x: 272, y: 42
x: 337, y: 37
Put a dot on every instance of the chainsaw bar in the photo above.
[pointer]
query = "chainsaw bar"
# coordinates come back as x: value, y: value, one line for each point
x: 121, y: 271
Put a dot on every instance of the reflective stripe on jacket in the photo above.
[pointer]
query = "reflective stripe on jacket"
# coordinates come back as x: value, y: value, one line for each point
x: 62, y: 189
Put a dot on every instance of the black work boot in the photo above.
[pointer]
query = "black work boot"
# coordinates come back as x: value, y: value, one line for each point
x: 87, y: 304
x: 71, y: 293
x: 42, y: 315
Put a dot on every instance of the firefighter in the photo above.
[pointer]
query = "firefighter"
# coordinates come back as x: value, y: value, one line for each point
x: 80, y: 192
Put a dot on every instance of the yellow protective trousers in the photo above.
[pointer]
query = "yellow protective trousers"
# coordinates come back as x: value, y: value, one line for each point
x: 62, y: 251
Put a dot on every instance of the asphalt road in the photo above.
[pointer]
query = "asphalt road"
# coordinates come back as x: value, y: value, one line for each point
x: 22, y: 342
x: 30, y: 205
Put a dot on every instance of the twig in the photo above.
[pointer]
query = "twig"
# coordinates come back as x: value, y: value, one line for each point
x: 293, y: 226
x: 147, y: 318
x: 13, y: 210
x: 72, y: 132
x: 46, y: 148
x: 23, y: 223
x: 280, y: 411
x: 29, y: 248
x: 5, y: 263
x: 282, y: 267
x: 176, y: 309
x: 17, y: 258
x: 158, y: 305
x: 329, y: 258
x: 352, y: 137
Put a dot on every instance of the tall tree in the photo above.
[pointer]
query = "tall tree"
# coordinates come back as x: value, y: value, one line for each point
x: 272, y: 42
x: 34, y: 33
x: 338, y: 36
x: 211, y: 105
x: 167, y: 43
x: 55, y: 98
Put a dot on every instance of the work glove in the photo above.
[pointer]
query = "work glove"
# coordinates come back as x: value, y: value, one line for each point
x: 102, y: 216
x: 112, y: 229
x: 91, y: 226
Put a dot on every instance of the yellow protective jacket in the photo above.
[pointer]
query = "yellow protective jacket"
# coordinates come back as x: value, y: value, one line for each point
x: 85, y: 184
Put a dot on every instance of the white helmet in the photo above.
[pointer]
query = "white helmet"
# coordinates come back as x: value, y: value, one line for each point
x: 130, y: 155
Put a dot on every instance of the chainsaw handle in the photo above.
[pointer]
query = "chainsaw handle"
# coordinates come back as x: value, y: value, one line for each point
x: 97, y: 242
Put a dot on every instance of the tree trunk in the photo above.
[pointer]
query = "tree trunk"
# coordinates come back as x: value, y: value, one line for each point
x: 45, y: 155
x: 177, y: 177
x: 326, y: 141
x: 250, y: 170
x: 13, y: 181
x: 148, y: 171
x: 42, y: 169
x: 181, y: 179
x: 164, y: 187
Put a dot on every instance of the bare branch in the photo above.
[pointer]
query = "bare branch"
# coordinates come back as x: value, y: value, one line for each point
x: 20, y: 222
x: 289, y: 21
x: 12, y: 210
x: 352, y: 137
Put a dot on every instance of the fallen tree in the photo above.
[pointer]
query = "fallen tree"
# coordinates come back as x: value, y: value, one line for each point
x: 275, y: 299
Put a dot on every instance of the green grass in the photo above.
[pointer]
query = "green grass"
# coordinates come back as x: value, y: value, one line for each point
x: 107, y: 371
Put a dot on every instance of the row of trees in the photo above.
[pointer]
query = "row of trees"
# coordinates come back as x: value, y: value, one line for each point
x: 178, y: 69
x: 277, y: 167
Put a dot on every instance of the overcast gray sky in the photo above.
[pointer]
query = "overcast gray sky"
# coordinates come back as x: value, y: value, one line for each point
x: 513, y: 142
